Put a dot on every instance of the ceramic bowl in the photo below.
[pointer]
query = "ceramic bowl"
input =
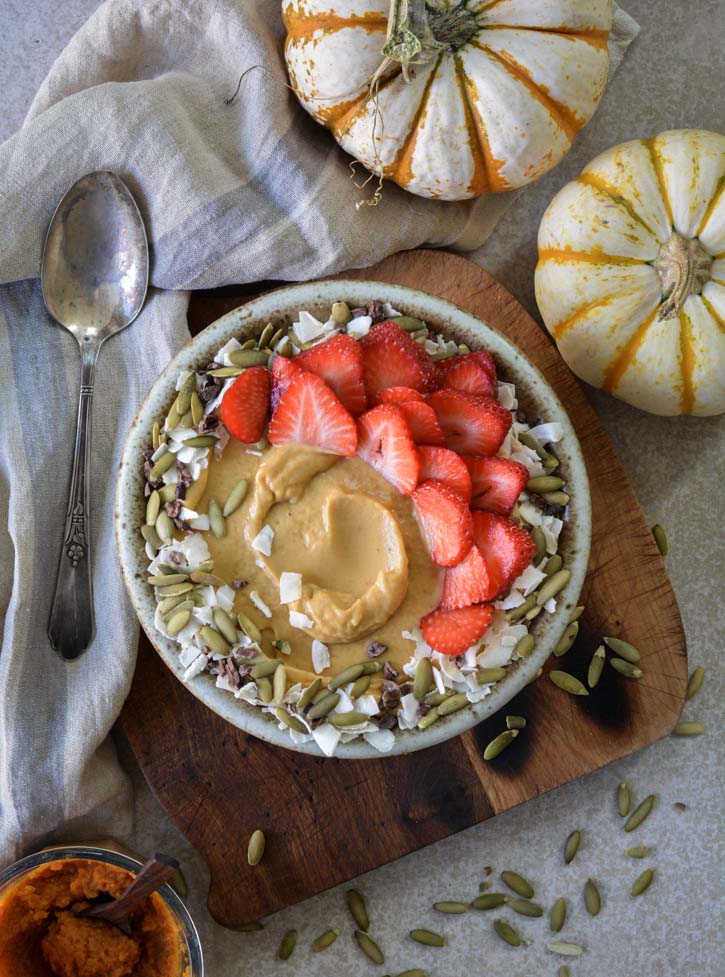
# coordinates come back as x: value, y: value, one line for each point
x: 535, y: 397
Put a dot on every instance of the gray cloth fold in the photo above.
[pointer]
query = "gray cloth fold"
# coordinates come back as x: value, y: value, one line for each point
x: 237, y: 192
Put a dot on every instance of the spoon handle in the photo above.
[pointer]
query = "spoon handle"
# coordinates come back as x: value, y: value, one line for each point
x: 154, y: 873
x: 72, y: 624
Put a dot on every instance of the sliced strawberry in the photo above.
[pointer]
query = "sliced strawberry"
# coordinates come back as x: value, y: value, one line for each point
x: 444, y: 465
x: 467, y: 583
x: 384, y: 442
x: 284, y: 371
x: 339, y: 362
x: 506, y: 547
x: 446, y: 522
x: 472, y: 425
x: 399, y: 395
x: 497, y: 482
x: 467, y: 374
x: 392, y: 359
x: 480, y: 356
x: 423, y: 423
x: 453, y: 632
x: 309, y: 413
x: 245, y: 405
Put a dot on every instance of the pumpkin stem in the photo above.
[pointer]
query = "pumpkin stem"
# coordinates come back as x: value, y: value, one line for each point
x: 684, y: 268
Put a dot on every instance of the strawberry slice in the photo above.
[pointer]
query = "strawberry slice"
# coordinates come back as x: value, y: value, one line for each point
x: 384, y: 442
x: 467, y: 374
x: 446, y: 522
x: 245, y: 405
x: 399, y: 395
x: 506, y: 547
x: 392, y: 359
x: 423, y: 423
x: 467, y: 583
x: 472, y: 425
x: 339, y: 362
x: 444, y: 465
x: 497, y: 482
x: 453, y: 632
x: 284, y: 371
x: 309, y: 413
x: 480, y: 357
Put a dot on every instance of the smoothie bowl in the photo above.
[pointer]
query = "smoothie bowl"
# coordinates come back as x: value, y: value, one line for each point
x: 353, y: 518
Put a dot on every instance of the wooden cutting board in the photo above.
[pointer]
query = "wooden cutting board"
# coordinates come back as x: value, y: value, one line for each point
x: 328, y: 820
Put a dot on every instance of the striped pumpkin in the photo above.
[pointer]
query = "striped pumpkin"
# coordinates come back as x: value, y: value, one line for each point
x: 631, y: 274
x: 490, y: 101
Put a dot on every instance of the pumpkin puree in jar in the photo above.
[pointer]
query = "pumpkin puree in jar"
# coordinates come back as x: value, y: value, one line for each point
x: 40, y: 935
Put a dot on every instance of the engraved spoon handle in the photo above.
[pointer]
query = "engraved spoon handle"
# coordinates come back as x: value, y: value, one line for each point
x: 72, y: 623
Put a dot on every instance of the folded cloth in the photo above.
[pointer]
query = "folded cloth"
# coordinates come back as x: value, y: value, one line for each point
x: 231, y: 191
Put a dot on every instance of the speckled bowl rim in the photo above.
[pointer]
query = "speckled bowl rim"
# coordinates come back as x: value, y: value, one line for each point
x: 284, y: 303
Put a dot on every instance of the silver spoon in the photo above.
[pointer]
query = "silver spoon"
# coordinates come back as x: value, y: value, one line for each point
x: 94, y: 276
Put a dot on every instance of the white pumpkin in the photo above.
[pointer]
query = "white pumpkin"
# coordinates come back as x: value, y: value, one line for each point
x: 631, y: 274
x: 450, y: 98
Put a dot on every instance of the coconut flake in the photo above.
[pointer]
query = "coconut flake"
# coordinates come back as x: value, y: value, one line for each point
x: 320, y: 652
x: 196, y: 668
x: 359, y: 326
x: 225, y: 597
x: 259, y: 603
x: 382, y: 740
x: 248, y: 693
x: 290, y: 587
x: 550, y: 605
x: 307, y: 327
x: 222, y: 355
x: 529, y: 580
x: 195, y: 549
x: 262, y: 542
x: 408, y: 712
x: 507, y: 396
x: 547, y: 433
x: 253, y: 451
x: 299, y: 620
x: 327, y: 738
x: 367, y: 704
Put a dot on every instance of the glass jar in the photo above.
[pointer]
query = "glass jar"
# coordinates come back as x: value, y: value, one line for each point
x: 192, y: 964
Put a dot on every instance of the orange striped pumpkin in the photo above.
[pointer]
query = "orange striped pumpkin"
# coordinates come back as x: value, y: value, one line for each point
x: 631, y: 273
x: 491, y: 101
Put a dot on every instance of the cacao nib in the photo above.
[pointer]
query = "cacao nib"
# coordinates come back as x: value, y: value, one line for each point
x: 387, y: 721
x: 376, y: 313
x: 376, y: 649
x: 389, y: 672
x: 355, y: 313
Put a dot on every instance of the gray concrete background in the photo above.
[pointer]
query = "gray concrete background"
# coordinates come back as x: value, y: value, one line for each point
x: 672, y: 77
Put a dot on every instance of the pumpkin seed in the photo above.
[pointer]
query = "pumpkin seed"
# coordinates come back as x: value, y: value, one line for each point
x: 249, y: 627
x: 319, y: 696
x: 168, y: 493
x: 285, y: 348
x: 371, y: 667
x: 248, y: 357
x: 215, y: 641
x: 172, y: 418
x: 186, y: 419
x: 639, y: 851
x: 155, y: 435
x: 201, y: 441
x: 288, y: 944
x: 166, y: 579
x: 572, y: 846
x: 308, y: 694
x: 556, y: 498
x: 525, y: 437
x: 557, y: 916
x: 516, y: 613
x: 427, y: 937
x: 533, y: 613
x: 358, y: 909
x: 550, y: 463
x: 178, y: 884
x: 640, y: 813
x: 553, y: 586
x: 216, y: 519
x: 292, y: 722
x: 463, y: 349
x: 343, y: 719
x: 453, y: 703
x: 576, y: 613
x: 206, y: 579
x: 592, y: 897
x: 253, y: 927
x: 225, y: 372
x: 344, y: 677
x: 169, y: 604
x: 369, y: 947
x: 499, y: 743
x: 408, y: 322
x: 415, y: 972
x: 264, y: 688
x: 486, y: 676
x: 152, y: 537
x: 360, y: 686
x: 423, y: 678
x: 153, y: 506
x: 544, y: 483
x: 235, y: 498
x: 265, y: 335
x: 183, y: 399
x: 162, y: 465
x: 325, y: 939
x: 507, y: 932
x: 643, y: 882
x: 435, y: 698
x: 679, y: 806
x: 625, y: 668
x: 568, y: 683
x: 524, y: 907
x: 177, y: 622
x: 225, y: 624
x: 276, y: 336
x: 564, y: 971
x: 430, y: 717
x: 249, y: 344
x: 515, y: 722
x: 537, y: 534
x: 490, y: 900
x: 282, y: 646
x: 623, y: 649
x: 688, y: 729
x: 341, y: 314
x: 164, y: 527
x: 265, y: 668
x: 324, y: 706
x: 596, y: 667
x: 661, y: 539
x: 565, y: 949
x: 451, y: 908
x: 279, y: 683
x: 624, y: 800
x: 518, y: 884
x: 567, y: 639
x: 197, y: 409
x: 174, y: 590
x: 553, y: 565
x: 255, y: 850
x: 695, y: 683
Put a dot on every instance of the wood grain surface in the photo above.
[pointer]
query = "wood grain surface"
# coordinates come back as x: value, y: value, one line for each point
x: 328, y: 820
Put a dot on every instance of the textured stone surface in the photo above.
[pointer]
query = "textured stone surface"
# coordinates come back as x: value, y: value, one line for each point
x: 669, y: 79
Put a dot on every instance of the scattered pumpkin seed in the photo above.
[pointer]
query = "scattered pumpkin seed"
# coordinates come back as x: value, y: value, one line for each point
x: 453, y: 704
x: 252, y: 927
x: 256, y: 846
x: 249, y: 627
x: 266, y: 668
x: 153, y: 507
x: 308, y: 694
x: 695, y: 683
x: 264, y: 688
x: 325, y: 939
x: 557, y: 916
x: 225, y: 625
x: 358, y: 909
x: 201, y: 441
x: 282, y: 646
x: 533, y: 613
x: 173, y: 418
x: 516, y: 613
x: 292, y: 722
x: 249, y: 344
x: 486, y: 676
x: 553, y: 565
x: 324, y: 706
x: 435, y: 698
x: 596, y: 667
x: 640, y: 813
x: 371, y: 667
x: 451, y: 908
x: 341, y: 314
x: 592, y: 897
x: 688, y: 729
x: 155, y: 435
x: 183, y: 399
x: 556, y: 498
x: 567, y: 639
x: 164, y: 527
x: 537, y: 534
x: 524, y: 907
x: 408, y: 322
x: 174, y: 590
x: 206, y: 579
x: 178, y: 884
x: 550, y: 462
x: 423, y: 678
x: 197, y: 409
x: 427, y: 937
x: 572, y: 846
x: 342, y: 719
x: 515, y: 722
x: 499, y: 743
x: 623, y: 649
x: 288, y: 944
x: 430, y: 717
x: 286, y: 348
x: 565, y: 949
x: 360, y: 686
x: 661, y: 539
x: 564, y: 971
x: 216, y: 519
x: 577, y: 613
x: 169, y: 604
x: 248, y: 357
x: 638, y: 851
x: 518, y: 884
x: 225, y: 372
x: 624, y: 799
x: 415, y: 972
x: 369, y: 947
x: 344, y: 677
x: 177, y: 622
x: 525, y: 437
x: 186, y: 419
x: 216, y: 642
x: 162, y: 465
x: 265, y: 335
x: 235, y: 498
x: 553, y: 586
x: 166, y: 579
x: 625, y: 668
x: 507, y: 932
x: 544, y: 483
x: 152, y: 537
x: 568, y: 683
x: 490, y: 900
x: 279, y: 684
x: 168, y: 493
x: 525, y: 646
x: 643, y: 882
x: 679, y: 806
